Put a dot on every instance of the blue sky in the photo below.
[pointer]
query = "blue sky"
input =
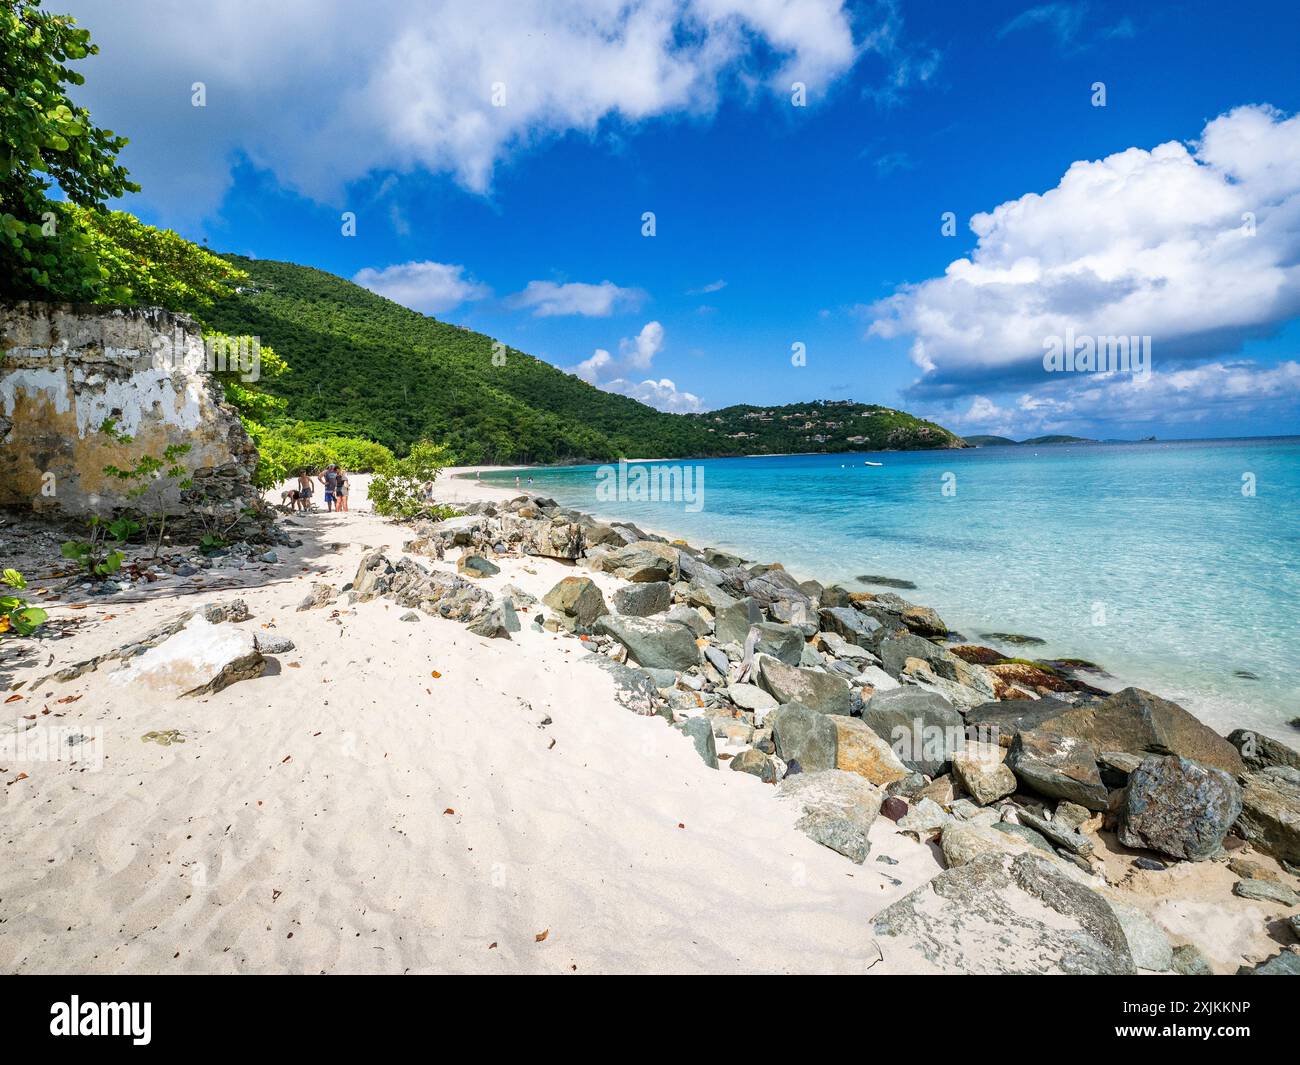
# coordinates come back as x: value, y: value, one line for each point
x: 775, y: 224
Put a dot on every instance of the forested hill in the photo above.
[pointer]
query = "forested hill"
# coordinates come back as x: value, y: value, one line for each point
x: 368, y: 365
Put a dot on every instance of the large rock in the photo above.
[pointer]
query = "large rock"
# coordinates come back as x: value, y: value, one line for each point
x: 498, y: 622
x: 1138, y: 722
x: 633, y: 688
x: 1004, y: 913
x: 1059, y: 767
x: 751, y: 697
x: 980, y: 768
x: 1001, y: 720
x: 783, y: 642
x: 642, y: 600
x: 654, y: 644
x: 895, y: 651
x: 700, y: 730
x: 1179, y: 807
x: 851, y: 625
x: 923, y: 621
x: 805, y: 737
x: 822, y: 692
x: 1270, y: 813
x: 755, y: 763
x: 710, y: 596
x: 577, y: 603
x: 836, y: 809
x: 733, y: 622
x: 559, y: 538
x: 775, y: 586
x: 409, y: 584
x: 1261, y: 752
x: 922, y: 728
x: 198, y: 659
x: 859, y: 750
x: 643, y: 561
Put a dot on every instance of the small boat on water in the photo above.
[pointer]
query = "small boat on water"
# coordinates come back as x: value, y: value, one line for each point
x: 873, y: 464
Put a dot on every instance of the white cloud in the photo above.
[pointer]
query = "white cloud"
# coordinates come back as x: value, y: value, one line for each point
x: 639, y: 352
x: 427, y: 287
x: 661, y: 394
x: 322, y: 92
x: 1143, y: 243
x: 547, y: 299
x: 590, y: 369
x: 712, y: 286
x: 636, y: 353
x: 1221, y: 390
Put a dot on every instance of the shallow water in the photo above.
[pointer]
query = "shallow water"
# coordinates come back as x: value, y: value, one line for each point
x: 1149, y: 559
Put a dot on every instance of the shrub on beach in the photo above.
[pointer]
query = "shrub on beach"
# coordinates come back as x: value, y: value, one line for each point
x: 398, y: 490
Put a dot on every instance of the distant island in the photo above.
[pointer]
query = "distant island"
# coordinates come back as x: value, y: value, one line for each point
x: 1003, y: 441
x: 363, y: 365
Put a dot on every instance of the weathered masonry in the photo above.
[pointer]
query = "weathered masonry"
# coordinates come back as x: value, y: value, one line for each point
x: 65, y: 369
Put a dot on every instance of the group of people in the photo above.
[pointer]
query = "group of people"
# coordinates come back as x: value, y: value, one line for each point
x: 335, y: 483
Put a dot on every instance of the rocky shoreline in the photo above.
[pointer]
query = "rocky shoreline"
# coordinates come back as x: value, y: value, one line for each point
x: 858, y: 705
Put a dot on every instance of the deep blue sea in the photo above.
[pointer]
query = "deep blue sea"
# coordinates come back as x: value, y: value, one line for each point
x: 1176, y: 566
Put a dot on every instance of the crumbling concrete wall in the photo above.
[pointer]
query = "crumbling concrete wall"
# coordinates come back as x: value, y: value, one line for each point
x: 65, y: 369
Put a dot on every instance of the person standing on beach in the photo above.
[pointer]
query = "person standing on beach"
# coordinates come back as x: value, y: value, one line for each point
x: 330, y: 480
x: 341, y: 490
x: 304, y: 490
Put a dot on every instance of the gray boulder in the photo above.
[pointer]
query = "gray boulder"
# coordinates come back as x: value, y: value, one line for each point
x: 756, y: 763
x: 732, y: 623
x: 822, y: 692
x: 922, y: 727
x: 896, y: 650
x: 1004, y: 914
x: 653, y: 643
x: 804, y: 736
x: 642, y: 600
x: 1179, y: 807
x: 700, y: 730
x: 851, y: 625
x: 643, y: 562
x: 1138, y: 722
x: 1270, y: 813
x: 1059, y: 767
x: 498, y: 622
x: 836, y: 809
x: 577, y: 603
x: 1262, y: 752
x: 783, y: 642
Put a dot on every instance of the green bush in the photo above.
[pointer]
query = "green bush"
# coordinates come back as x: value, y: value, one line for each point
x: 397, y: 490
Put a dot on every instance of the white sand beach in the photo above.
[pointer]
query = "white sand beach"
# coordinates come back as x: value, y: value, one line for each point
x: 397, y: 796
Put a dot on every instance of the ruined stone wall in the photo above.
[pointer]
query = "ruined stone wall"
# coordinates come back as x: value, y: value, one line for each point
x: 65, y: 368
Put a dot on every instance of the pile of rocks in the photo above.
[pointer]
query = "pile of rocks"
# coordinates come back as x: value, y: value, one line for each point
x: 855, y: 704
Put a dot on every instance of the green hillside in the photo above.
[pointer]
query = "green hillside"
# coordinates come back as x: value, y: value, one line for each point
x: 990, y: 441
x: 822, y: 425
x: 367, y: 365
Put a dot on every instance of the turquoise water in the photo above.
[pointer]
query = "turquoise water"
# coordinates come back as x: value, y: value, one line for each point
x: 1145, y: 558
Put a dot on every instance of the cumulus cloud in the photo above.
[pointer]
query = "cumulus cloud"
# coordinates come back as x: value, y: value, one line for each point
x: 636, y: 354
x: 548, y: 299
x: 639, y: 352
x: 427, y: 287
x: 590, y: 369
x: 661, y: 394
x: 323, y: 92
x: 1197, y: 247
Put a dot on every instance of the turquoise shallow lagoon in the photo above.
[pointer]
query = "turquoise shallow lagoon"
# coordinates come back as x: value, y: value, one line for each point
x: 1148, y: 559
